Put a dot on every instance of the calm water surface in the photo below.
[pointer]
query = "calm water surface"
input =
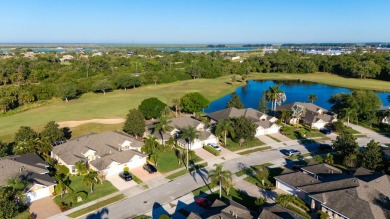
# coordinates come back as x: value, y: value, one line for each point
x: 295, y: 91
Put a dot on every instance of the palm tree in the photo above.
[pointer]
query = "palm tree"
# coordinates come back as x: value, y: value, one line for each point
x: 150, y: 144
x: 224, y: 128
x: 16, y: 187
x: 190, y: 134
x: 348, y: 113
x: 285, y: 115
x: 312, y: 98
x: 219, y: 176
x: 91, y: 179
x: 275, y: 96
x: 176, y: 104
x: 163, y: 126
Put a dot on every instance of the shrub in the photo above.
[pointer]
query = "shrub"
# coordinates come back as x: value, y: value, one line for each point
x: 164, y: 216
x: 298, y: 211
x: 300, y: 203
x: 260, y: 201
x: 125, y: 169
x: 322, y: 215
x: 318, y: 159
x: 211, y: 150
x: 61, y: 169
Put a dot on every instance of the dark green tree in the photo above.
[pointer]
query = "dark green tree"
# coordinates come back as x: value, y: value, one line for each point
x: 163, y: 125
x: 243, y: 129
x: 194, y: 102
x: 235, y: 101
x: 345, y: 144
x: 372, y: 156
x: 151, y: 108
x: 52, y: 132
x: 263, y: 106
x: 135, y: 123
x: 25, y: 133
x: 68, y: 91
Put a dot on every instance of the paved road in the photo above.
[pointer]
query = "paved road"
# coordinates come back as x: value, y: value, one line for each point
x: 164, y: 193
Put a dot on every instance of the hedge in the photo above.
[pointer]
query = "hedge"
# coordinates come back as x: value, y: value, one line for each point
x: 300, y: 203
x: 211, y: 150
x: 298, y: 211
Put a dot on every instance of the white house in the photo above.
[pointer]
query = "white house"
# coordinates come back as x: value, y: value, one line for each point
x: 265, y: 124
x: 107, y: 152
x: 33, y: 169
x: 180, y: 123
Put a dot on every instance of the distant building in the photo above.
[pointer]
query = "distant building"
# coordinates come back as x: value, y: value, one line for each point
x: 66, y: 58
x: 29, y: 55
x: 97, y: 54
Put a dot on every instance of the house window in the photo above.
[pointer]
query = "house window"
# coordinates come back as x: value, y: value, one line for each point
x: 73, y: 169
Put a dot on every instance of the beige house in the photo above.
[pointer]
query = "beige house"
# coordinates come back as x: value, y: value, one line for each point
x: 66, y: 58
x: 310, y: 114
x: 265, y: 124
x: 107, y: 152
x: 33, y: 169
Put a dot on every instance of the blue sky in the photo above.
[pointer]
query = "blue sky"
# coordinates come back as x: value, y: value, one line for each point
x: 194, y: 21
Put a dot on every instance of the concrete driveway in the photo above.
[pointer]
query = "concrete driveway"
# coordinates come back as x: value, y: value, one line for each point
x: 144, y: 175
x: 280, y: 137
x: 267, y: 140
x: 119, y: 183
x: 205, y: 155
x: 44, y: 208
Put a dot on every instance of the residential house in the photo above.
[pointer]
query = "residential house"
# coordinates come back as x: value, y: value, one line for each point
x: 66, y: 58
x: 385, y: 119
x: 265, y: 124
x: 107, y: 152
x: 29, y: 55
x: 309, y: 114
x: 339, y: 195
x: 33, y: 169
x: 180, y: 123
x: 97, y: 54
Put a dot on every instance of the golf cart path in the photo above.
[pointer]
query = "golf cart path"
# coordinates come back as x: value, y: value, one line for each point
x: 72, y: 124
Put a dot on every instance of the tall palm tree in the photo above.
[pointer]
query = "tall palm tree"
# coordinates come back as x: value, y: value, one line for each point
x: 16, y: 187
x: 312, y: 98
x: 225, y: 127
x: 163, y: 126
x: 150, y: 144
x: 348, y: 113
x: 176, y: 104
x: 220, y: 176
x: 276, y: 96
x: 190, y: 134
x: 91, y: 179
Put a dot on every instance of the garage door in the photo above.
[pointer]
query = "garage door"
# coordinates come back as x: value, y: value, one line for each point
x: 272, y: 130
x: 285, y: 188
x: 259, y: 132
x: 38, y: 194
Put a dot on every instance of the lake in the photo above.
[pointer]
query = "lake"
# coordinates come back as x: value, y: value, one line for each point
x: 206, y: 49
x: 295, y: 92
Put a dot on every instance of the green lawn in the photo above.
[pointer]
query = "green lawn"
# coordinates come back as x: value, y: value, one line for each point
x: 242, y: 172
x: 101, y: 190
x: 255, y: 150
x: 168, y: 161
x: 233, y: 146
x: 96, y: 206
x: 23, y: 215
x: 95, y: 127
x: 351, y: 130
x: 117, y: 103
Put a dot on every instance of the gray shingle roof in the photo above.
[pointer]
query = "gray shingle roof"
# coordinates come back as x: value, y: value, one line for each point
x: 276, y: 211
x: 297, y: 179
x: 122, y: 157
x: 184, y: 122
x: 311, y: 114
x: 30, y: 166
x: 104, y: 144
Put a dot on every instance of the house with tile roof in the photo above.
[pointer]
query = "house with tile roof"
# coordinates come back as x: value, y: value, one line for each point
x: 265, y: 124
x: 309, y: 114
x: 30, y: 168
x: 180, y: 123
x: 339, y: 195
x: 107, y: 152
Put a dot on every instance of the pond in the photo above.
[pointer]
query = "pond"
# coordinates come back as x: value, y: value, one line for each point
x: 296, y: 91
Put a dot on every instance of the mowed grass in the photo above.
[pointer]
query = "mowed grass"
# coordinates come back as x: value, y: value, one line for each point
x: 94, y: 127
x: 116, y: 104
x: 96, y: 206
x: 100, y: 190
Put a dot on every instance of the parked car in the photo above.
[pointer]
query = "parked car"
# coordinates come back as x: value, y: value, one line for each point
x: 150, y: 168
x: 292, y: 152
x: 325, y: 146
x: 126, y: 176
x: 215, y: 146
x: 326, y: 131
x: 203, y: 202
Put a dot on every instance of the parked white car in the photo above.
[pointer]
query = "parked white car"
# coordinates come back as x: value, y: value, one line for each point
x: 215, y: 146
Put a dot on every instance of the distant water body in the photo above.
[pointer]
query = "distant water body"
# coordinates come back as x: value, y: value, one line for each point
x: 206, y: 49
x: 295, y: 92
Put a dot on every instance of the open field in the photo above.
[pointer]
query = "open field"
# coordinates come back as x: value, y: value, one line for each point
x: 115, y: 104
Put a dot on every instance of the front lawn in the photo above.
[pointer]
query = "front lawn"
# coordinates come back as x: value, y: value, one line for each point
x: 96, y: 206
x: 233, y: 146
x: 167, y: 161
x: 101, y: 190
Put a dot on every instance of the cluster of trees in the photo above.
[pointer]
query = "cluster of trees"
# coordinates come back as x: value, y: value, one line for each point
x: 370, y: 157
x: 12, y: 198
x: 45, y: 77
x: 27, y: 140
x: 359, y: 106
x: 239, y: 129
x: 369, y: 65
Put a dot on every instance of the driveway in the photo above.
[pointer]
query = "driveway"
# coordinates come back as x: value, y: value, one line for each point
x: 44, y: 208
x: 370, y: 134
x: 119, y: 183
x: 280, y: 137
x: 267, y: 140
x: 144, y: 175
